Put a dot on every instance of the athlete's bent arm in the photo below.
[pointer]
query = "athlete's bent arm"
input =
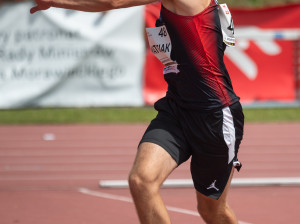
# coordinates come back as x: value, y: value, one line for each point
x: 88, y: 5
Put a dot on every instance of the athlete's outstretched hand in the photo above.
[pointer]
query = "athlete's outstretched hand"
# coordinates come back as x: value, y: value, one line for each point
x: 40, y: 5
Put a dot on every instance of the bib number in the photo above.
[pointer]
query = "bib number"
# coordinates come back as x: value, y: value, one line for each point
x: 160, y: 44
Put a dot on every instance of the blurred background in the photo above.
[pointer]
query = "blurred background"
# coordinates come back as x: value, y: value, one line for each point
x: 69, y: 59
x: 77, y: 92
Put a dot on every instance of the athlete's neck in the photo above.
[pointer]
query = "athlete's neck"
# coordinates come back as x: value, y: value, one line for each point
x: 186, y: 7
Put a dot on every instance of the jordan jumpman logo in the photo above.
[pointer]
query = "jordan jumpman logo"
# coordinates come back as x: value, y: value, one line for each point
x: 213, y: 185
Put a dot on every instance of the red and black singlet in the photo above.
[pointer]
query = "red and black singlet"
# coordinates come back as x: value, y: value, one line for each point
x: 203, y: 82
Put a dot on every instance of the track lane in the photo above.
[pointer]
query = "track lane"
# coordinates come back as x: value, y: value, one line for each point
x: 38, y: 173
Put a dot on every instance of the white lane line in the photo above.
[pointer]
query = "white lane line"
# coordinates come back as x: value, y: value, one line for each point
x: 104, y: 195
x: 183, y: 211
x: 127, y: 199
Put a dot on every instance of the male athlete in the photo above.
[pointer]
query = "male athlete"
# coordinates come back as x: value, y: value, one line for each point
x: 200, y: 116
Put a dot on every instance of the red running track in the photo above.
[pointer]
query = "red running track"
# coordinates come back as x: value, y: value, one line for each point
x: 49, y: 174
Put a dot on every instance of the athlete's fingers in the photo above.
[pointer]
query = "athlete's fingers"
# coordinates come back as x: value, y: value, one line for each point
x: 34, y: 9
x: 38, y: 8
x: 41, y: 5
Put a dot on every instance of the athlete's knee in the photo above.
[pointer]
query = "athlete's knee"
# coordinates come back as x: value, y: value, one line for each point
x: 142, y: 182
x: 134, y: 181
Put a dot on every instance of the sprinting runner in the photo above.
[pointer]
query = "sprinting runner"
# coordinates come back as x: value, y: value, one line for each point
x: 200, y: 116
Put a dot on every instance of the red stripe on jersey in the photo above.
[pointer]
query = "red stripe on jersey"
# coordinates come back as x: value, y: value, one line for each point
x: 197, y: 44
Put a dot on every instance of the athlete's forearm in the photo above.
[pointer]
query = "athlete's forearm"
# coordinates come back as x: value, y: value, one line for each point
x: 96, y: 5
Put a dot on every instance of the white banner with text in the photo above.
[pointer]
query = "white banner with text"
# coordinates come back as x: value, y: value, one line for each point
x: 66, y: 58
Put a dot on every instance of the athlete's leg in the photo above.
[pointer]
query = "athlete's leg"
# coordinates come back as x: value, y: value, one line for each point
x: 151, y: 167
x: 216, y: 211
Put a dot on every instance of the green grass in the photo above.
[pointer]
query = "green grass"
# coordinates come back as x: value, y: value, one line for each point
x: 124, y: 115
x: 76, y: 115
x: 272, y: 115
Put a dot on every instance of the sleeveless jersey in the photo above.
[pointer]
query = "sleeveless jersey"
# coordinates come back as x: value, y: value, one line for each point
x: 203, y: 82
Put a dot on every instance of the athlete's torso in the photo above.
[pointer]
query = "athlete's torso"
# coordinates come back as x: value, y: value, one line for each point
x: 203, y: 82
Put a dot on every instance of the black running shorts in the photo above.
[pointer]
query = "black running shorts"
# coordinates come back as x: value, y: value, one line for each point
x: 211, y: 140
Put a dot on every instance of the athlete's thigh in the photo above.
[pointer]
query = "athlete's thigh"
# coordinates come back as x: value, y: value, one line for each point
x: 153, y: 163
x: 163, y: 146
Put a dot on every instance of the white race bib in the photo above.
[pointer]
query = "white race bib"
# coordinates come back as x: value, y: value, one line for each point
x: 160, y: 44
x: 226, y: 25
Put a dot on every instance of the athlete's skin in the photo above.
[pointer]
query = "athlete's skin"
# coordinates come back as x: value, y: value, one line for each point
x: 153, y: 164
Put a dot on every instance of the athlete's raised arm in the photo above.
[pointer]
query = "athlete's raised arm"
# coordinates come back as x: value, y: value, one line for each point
x: 87, y: 5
